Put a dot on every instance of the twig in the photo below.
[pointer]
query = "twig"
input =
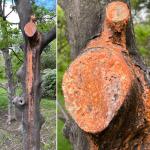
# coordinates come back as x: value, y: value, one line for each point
x: 9, y: 13
x: 66, y: 116
x: 16, y: 54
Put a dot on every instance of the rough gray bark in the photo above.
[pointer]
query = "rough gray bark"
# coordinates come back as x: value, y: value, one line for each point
x: 8, y: 71
x: 29, y: 74
x: 84, y: 22
x: 10, y: 85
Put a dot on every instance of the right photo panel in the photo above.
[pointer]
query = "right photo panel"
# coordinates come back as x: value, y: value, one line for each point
x: 103, y: 75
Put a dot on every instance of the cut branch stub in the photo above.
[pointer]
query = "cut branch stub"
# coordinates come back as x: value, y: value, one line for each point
x: 95, y: 87
x: 30, y: 28
x: 117, y: 14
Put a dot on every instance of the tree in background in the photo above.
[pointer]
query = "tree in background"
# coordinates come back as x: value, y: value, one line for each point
x: 9, y: 36
x: 141, y: 16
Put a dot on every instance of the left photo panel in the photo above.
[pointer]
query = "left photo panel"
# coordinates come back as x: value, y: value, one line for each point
x: 28, y: 74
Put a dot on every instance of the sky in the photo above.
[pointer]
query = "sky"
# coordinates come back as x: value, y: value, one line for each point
x: 13, y: 17
x: 49, y: 4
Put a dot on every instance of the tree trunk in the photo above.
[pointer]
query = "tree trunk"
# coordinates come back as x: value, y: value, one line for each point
x: 31, y: 115
x: 8, y: 68
x: 10, y: 85
x: 29, y: 74
x: 111, y: 125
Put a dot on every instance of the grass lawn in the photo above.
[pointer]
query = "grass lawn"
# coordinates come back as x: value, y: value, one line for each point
x: 3, y: 99
x: 62, y: 142
x: 11, y: 139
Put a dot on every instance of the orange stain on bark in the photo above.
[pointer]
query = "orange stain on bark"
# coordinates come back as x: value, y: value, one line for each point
x: 29, y: 71
x: 98, y: 82
x: 29, y: 86
x: 95, y: 87
x: 146, y: 97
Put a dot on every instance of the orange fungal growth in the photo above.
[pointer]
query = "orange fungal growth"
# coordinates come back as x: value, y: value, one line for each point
x: 117, y: 14
x: 98, y: 82
x: 95, y: 87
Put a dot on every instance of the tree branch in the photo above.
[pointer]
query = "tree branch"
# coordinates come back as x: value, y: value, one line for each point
x: 9, y: 13
x: 47, y: 38
x: 16, y: 54
x: 66, y: 116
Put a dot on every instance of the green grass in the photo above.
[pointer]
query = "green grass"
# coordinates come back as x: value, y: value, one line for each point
x: 3, y: 96
x: 48, y: 110
x: 3, y: 99
x: 48, y: 131
x: 62, y: 142
x: 47, y: 104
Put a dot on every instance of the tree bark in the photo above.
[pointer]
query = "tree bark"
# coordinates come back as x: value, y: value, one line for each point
x: 29, y: 74
x: 10, y: 85
x: 129, y: 128
x: 8, y: 69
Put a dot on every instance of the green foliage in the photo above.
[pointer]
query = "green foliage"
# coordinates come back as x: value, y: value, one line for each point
x: 63, y: 144
x: 63, y: 61
x: 49, y: 83
x: 142, y: 32
x: 45, y: 18
x: 2, y: 67
x: 143, y: 37
x: 48, y: 58
x: 8, y: 35
x: 46, y: 104
x: 139, y: 4
x: 63, y: 49
x: 16, y: 63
